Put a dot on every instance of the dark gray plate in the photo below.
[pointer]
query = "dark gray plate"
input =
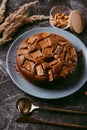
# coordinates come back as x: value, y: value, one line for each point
x: 70, y: 86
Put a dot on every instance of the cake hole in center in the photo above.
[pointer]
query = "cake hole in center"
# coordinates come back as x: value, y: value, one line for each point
x: 48, y: 59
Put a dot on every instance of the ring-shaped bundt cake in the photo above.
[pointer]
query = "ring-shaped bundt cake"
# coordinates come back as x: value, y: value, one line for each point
x: 46, y: 57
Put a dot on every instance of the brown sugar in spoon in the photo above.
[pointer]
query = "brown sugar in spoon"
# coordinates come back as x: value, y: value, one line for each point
x: 25, y: 106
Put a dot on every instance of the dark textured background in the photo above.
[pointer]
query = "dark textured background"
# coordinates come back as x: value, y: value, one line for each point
x: 9, y: 93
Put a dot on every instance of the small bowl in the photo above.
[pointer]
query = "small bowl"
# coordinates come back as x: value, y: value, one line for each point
x: 59, y: 16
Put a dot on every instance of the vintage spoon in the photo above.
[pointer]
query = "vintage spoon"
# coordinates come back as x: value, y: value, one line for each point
x: 25, y: 106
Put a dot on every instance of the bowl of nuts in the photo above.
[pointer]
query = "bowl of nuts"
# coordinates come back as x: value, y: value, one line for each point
x: 59, y: 16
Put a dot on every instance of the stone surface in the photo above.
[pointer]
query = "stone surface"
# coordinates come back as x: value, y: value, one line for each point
x: 10, y: 93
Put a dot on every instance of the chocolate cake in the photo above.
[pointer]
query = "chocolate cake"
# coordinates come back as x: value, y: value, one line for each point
x: 46, y: 57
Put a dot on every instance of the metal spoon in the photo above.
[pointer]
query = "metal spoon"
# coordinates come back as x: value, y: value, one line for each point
x: 25, y: 106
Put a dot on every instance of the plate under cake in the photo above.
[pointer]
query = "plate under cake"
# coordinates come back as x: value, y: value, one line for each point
x: 70, y: 86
